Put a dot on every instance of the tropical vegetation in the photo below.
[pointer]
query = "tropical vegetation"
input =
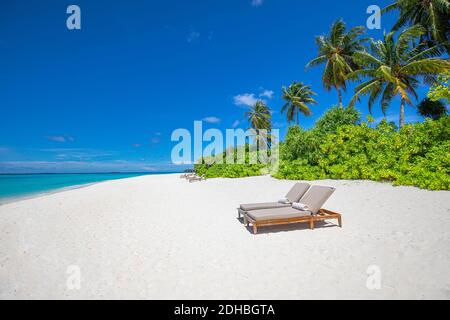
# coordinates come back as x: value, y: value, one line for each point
x: 432, y: 15
x: 336, y: 51
x: 392, y: 67
x: 440, y: 90
x: 297, y: 97
x: 342, y: 146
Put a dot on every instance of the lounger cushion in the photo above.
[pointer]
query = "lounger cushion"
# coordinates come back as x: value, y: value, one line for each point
x: 316, y: 197
x: 297, y: 191
x: 267, y: 205
x: 276, y: 214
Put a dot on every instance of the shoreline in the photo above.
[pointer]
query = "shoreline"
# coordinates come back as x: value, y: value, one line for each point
x: 9, y: 200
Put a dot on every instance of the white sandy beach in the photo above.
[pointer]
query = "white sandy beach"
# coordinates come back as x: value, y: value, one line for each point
x: 159, y: 237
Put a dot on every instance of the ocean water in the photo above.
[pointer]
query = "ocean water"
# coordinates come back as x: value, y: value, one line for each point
x: 17, y: 186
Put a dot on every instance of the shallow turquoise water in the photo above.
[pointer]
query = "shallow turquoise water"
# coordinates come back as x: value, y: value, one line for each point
x: 14, y: 186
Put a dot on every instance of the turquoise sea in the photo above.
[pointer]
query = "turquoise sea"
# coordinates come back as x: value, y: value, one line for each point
x: 16, y: 186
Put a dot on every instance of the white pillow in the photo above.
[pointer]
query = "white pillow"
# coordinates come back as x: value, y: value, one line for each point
x: 300, y: 206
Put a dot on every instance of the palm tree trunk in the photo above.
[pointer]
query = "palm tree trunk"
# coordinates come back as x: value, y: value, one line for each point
x: 340, y: 97
x: 402, y: 114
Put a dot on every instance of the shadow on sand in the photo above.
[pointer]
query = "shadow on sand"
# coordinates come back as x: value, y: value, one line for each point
x: 289, y: 227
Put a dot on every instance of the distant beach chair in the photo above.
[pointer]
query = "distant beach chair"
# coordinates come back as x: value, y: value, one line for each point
x: 196, y: 178
x: 294, y: 195
x: 187, y: 174
x: 315, y: 198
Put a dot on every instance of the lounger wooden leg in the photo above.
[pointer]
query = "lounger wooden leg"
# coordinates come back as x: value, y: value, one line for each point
x: 340, y: 221
x: 311, y: 224
x: 255, y: 229
x: 239, y: 214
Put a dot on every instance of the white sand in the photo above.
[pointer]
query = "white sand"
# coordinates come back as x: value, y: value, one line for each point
x: 159, y: 237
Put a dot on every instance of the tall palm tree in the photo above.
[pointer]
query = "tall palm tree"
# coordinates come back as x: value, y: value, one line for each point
x: 433, y: 15
x: 392, y: 68
x: 336, y: 52
x: 297, y: 97
x: 260, y: 118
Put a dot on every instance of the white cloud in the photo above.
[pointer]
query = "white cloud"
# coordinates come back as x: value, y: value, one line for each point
x: 235, y: 124
x: 193, y: 36
x: 76, y: 154
x: 257, y: 3
x: 250, y: 99
x: 246, y: 99
x: 155, y: 140
x: 60, y: 138
x: 267, y: 94
x: 211, y: 120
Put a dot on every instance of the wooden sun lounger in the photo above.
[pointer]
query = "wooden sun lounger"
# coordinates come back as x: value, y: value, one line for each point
x: 296, y: 192
x: 314, y: 199
x: 322, y: 215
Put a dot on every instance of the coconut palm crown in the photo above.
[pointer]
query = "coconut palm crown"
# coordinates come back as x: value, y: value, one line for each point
x: 392, y: 68
x: 336, y: 52
x: 297, y: 97
x: 432, y: 15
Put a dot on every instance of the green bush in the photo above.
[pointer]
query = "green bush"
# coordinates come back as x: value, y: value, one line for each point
x: 417, y: 155
x: 336, y: 117
x: 229, y: 170
x: 211, y: 169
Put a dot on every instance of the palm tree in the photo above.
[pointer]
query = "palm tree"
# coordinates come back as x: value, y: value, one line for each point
x: 336, y: 52
x: 260, y: 118
x: 393, y: 66
x: 433, y: 15
x: 297, y: 97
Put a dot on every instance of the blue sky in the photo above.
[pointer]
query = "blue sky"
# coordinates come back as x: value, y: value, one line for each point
x: 108, y: 96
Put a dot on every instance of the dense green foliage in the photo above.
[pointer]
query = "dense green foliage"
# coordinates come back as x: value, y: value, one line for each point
x: 229, y: 171
x: 440, y: 90
x: 211, y: 168
x: 336, y: 117
x: 417, y: 155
